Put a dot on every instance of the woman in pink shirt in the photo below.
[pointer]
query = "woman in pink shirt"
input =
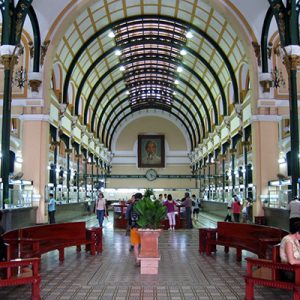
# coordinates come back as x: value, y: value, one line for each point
x: 170, y: 204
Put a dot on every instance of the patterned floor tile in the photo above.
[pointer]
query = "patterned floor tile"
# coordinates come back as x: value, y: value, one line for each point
x: 184, y: 274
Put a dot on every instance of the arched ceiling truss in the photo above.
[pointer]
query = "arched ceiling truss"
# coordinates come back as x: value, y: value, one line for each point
x: 162, y: 67
x: 115, y: 127
x: 120, y: 109
x: 191, y: 111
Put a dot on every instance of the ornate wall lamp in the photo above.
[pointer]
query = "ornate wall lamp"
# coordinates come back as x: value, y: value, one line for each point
x: 20, y: 78
x: 278, y: 80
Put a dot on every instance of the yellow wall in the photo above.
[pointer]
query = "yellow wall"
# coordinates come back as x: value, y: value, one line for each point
x: 127, y: 141
x: 151, y: 125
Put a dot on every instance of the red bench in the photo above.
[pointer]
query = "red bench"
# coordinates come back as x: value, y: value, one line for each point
x: 21, y: 271
x: 266, y: 273
x: 250, y: 237
x: 37, y: 240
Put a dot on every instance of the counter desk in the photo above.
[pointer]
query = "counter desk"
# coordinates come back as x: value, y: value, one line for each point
x: 179, y: 218
x: 119, y: 211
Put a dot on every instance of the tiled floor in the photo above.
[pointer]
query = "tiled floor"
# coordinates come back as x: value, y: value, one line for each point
x: 184, y: 274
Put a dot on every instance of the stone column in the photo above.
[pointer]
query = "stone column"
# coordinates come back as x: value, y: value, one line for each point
x: 265, y: 153
x: 35, y: 153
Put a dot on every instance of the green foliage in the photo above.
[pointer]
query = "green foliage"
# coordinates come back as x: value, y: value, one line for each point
x: 6, y: 201
x: 148, y: 193
x: 151, y: 213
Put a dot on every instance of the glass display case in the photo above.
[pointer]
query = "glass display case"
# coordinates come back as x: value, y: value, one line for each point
x: 21, y: 195
x: 279, y: 194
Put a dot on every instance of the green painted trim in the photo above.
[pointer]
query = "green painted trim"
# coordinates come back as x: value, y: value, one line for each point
x: 129, y: 106
x: 20, y: 14
x: 79, y: 90
x: 264, y: 40
x: 108, y: 27
x: 123, y: 101
x: 136, y: 176
x: 36, y: 39
x: 119, y: 93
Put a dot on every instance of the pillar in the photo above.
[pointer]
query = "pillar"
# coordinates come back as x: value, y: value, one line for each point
x: 35, y: 152
x: 8, y: 59
x: 265, y: 153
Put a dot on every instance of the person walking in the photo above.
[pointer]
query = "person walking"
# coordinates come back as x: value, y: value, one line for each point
x: 187, y: 203
x: 170, y: 205
x: 228, y: 217
x: 100, y: 209
x: 236, y: 209
x: 196, y: 207
x: 246, y: 211
x: 51, y: 208
x: 135, y: 239
x: 128, y: 217
x: 294, y: 209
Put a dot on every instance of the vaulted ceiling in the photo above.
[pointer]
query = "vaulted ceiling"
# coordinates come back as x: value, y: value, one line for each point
x: 180, y: 57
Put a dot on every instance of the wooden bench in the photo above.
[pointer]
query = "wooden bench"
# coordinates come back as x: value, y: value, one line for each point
x: 21, y: 271
x: 267, y: 273
x: 37, y: 240
x: 250, y: 237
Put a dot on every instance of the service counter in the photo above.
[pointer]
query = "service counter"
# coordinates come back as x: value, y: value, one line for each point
x: 277, y: 217
x: 119, y: 215
x: 14, y: 218
x: 121, y: 222
x: 179, y: 218
x: 214, y: 207
x: 70, y: 211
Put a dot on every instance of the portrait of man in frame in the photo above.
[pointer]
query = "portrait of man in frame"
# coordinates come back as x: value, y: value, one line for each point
x: 151, y: 151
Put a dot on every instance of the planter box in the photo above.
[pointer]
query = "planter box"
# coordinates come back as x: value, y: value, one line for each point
x: 149, y: 265
x: 149, y: 255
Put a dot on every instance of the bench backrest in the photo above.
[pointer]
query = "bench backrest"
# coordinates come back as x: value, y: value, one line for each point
x: 248, y: 234
x: 12, y: 234
x: 66, y: 231
x: 227, y: 230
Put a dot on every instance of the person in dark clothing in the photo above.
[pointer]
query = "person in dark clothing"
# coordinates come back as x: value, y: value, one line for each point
x: 134, y: 235
x: 128, y: 217
x: 187, y: 203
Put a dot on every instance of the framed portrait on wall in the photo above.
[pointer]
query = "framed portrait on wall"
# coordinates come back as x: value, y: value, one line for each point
x: 151, y: 151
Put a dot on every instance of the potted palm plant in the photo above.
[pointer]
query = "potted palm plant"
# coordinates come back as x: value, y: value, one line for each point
x: 6, y: 203
x: 150, y: 215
